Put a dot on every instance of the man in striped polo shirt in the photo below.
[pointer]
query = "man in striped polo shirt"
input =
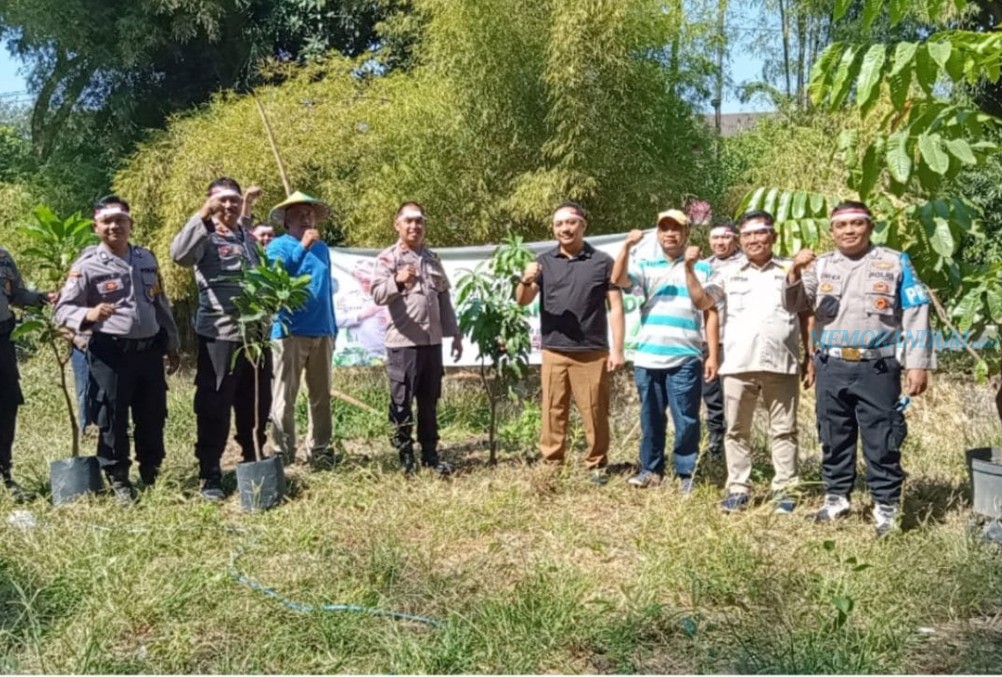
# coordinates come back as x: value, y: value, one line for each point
x: 668, y: 350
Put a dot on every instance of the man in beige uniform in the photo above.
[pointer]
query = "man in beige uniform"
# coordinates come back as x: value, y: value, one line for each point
x: 863, y: 297
x: 410, y: 281
x: 760, y: 358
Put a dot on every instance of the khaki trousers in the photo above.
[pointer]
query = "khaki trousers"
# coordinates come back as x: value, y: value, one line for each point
x: 780, y: 394
x: 585, y: 376
x: 292, y: 355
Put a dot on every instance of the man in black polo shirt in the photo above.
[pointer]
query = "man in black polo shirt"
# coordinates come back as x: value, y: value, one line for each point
x: 575, y: 283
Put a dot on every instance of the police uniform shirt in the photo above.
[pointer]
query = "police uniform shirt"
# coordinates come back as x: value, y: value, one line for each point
x: 761, y: 335
x: 869, y: 302
x: 132, y: 283
x: 716, y: 263
x: 13, y: 289
x: 421, y: 313
x: 218, y: 259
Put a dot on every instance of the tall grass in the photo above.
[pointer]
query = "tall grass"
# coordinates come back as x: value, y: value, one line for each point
x: 528, y: 569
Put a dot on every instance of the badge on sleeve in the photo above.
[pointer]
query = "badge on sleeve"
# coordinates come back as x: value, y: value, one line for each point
x: 913, y: 292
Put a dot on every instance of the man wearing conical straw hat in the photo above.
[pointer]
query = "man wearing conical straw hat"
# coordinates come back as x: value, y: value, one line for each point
x: 303, y: 340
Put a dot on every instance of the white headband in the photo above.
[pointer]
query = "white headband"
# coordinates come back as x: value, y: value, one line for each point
x: 568, y: 212
x: 756, y: 225
x: 226, y: 192
x: 411, y: 214
x: 105, y: 212
x: 851, y: 215
x: 721, y: 231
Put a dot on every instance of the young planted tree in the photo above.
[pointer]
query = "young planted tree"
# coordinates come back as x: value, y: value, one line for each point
x: 266, y: 290
x: 56, y: 243
x: 489, y: 315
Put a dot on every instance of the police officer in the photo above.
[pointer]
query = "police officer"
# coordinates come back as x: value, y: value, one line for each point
x: 863, y: 297
x: 409, y: 279
x: 12, y: 292
x: 724, y: 243
x: 116, y: 292
x: 218, y: 245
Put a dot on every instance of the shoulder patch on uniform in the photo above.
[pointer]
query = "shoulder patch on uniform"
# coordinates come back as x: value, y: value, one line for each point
x: 913, y: 292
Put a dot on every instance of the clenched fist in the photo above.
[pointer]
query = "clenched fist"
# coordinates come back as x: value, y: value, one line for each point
x: 802, y: 259
x: 634, y: 237
x: 692, y: 255
x: 531, y: 273
x: 311, y: 236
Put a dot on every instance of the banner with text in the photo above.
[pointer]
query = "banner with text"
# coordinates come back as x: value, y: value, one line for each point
x: 362, y: 324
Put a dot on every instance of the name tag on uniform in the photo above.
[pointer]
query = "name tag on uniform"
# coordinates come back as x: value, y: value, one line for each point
x: 110, y: 286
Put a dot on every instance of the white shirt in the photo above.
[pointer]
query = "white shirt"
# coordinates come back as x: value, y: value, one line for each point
x: 760, y: 334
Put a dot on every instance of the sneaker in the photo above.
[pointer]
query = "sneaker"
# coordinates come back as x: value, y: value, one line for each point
x: 644, y: 479
x: 598, y: 477
x: 734, y: 502
x: 686, y: 484
x: 785, y: 503
x: 17, y: 493
x: 123, y: 490
x: 835, y: 507
x: 212, y: 491
x: 885, y: 517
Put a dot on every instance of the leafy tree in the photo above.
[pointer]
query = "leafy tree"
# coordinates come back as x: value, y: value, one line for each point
x: 504, y: 109
x: 55, y: 244
x: 926, y: 135
x: 489, y: 315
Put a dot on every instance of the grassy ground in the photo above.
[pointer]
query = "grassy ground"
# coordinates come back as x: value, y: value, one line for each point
x: 528, y: 570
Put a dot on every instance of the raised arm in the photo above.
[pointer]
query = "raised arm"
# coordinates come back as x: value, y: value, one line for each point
x: 621, y: 267
x: 700, y: 299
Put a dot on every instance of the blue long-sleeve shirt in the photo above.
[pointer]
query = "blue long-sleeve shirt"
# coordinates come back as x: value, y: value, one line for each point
x: 316, y: 317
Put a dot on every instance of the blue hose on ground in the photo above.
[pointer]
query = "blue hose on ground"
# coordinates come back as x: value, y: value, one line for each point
x: 331, y: 608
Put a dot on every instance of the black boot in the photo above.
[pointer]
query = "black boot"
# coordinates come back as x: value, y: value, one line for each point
x: 122, y: 488
x: 430, y: 459
x: 17, y: 492
x: 407, y: 461
x: 148, y: 474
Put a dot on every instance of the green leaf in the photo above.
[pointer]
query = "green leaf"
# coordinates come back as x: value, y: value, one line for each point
x: 932, y: 152
x: 798, y: 207
x: 769, y: 204
x: 925, y: 69
x: 899, y: 162
x: 868, y: 83
x: 754, y: 200
x: 904, y: 55
x: 810, y: 233
x: 841, y: 7
x: 844, y: 76
x: 994, y: 295
x: 27, y: 328
x: 843, y: 603
x: 783, y: 208
x: 940, y: 237
x: 898, y: 86
x: 960, y: 149
x: 821, y: 73
x: 818, y: 205
x: 898, y: 9
x: 940, y: 52
x: 871, y: 169
x: 981, y: 372
x: 871, y: 8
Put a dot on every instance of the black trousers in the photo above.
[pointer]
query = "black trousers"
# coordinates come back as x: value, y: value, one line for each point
x: 415, y: 372
x: 857, y: 399
x: 10, y: 396
x: 222, y: 385
x: 713, y: 396
x: 125, y: 379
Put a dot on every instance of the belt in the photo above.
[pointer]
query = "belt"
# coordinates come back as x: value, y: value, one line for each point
x: 128, y: 345
x: 858, y: 354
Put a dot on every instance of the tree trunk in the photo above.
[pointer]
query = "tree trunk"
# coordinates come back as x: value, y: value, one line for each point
x: 784, y: 24
x: 74, y: 429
